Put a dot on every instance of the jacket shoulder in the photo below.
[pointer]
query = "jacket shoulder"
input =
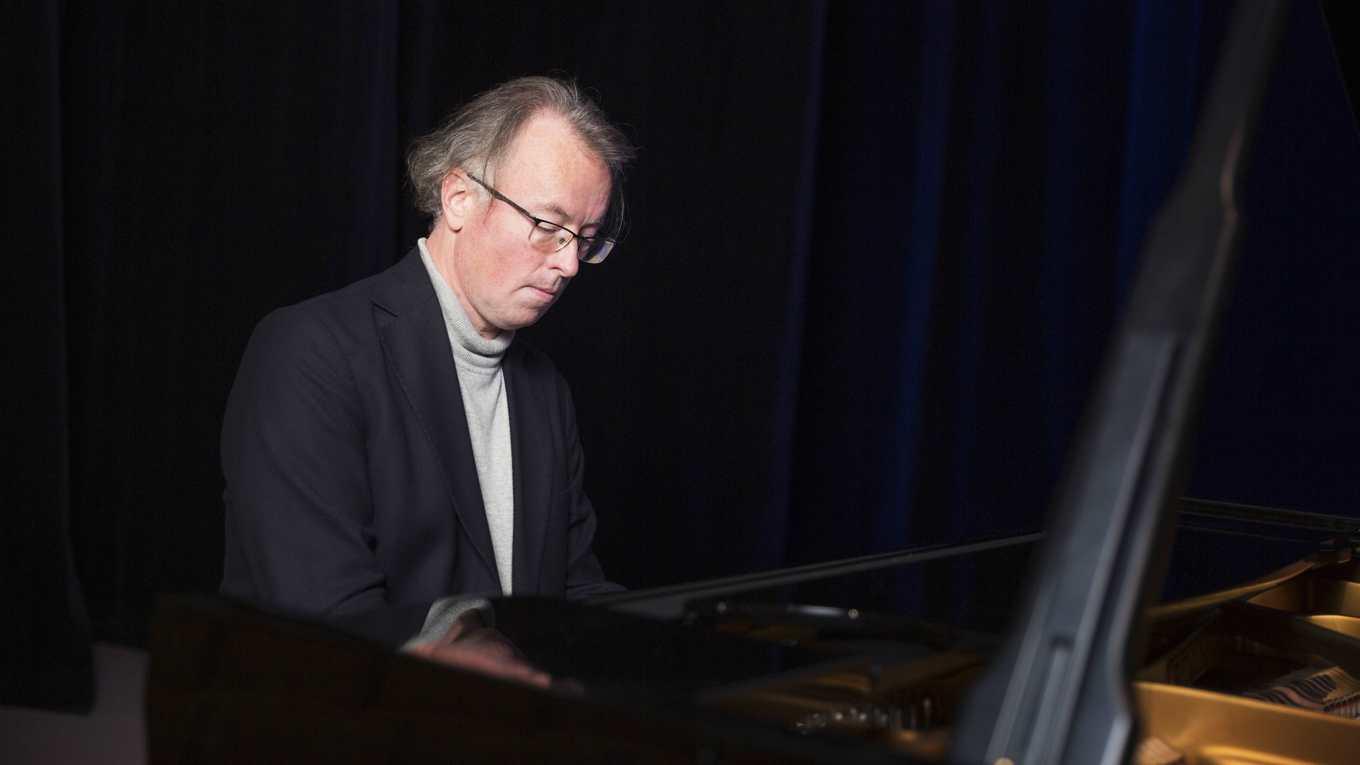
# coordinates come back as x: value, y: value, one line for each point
x: 341, y: 318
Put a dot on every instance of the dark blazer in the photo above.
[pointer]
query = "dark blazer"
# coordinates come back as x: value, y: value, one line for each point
x: 350, y: 482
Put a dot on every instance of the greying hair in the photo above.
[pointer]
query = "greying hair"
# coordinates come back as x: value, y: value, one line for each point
x: 481, y: 131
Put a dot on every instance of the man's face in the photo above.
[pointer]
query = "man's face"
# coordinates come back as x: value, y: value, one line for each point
x: 507, y: 283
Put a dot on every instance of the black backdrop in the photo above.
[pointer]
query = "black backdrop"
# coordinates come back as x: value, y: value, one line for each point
x: 876, y: 249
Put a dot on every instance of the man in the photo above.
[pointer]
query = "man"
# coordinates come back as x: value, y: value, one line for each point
x: 390, y: 444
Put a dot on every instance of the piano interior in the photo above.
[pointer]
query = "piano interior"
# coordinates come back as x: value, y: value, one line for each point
x: 1266, y: 671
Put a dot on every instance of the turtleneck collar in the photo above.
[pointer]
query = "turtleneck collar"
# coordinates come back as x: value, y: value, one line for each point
x: 469, y: 347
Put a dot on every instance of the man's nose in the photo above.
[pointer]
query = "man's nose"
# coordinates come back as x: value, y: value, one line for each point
x: 566, y: 259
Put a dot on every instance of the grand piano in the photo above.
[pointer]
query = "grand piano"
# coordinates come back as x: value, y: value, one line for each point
x: 1077, y: 645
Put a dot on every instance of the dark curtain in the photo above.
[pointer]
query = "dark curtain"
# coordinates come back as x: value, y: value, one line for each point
x: 876, y: 251
x: 47, y: 658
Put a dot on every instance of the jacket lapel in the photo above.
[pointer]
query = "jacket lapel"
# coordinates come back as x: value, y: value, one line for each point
x: 416, y: 345
x: 533, y: 477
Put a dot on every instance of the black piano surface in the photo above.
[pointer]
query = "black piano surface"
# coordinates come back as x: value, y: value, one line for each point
x: 228, y: 683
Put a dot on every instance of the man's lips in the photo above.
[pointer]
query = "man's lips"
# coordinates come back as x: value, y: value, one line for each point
x: 548, y: 292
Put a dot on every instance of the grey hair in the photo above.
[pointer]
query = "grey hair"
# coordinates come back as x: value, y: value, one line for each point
x: 479, y: 133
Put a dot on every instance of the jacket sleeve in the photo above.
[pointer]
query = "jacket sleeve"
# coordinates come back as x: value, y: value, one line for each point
x: 585, y: 576
x: 298, y: 517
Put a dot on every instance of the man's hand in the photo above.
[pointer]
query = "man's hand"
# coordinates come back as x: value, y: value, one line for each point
x: 470, y: 645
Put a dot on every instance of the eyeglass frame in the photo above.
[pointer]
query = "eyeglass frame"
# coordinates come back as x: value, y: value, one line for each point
x: 589, y: 241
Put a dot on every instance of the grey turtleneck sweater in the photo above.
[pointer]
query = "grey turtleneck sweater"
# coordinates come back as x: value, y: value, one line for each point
x: 478, y: 364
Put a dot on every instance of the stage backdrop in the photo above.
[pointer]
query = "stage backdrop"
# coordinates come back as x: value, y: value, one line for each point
x: 876, y: 252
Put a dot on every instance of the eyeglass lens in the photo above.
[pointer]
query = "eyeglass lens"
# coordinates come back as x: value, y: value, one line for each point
x: 550, y: 238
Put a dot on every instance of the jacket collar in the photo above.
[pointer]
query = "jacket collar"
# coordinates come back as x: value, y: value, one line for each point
x: 416, y: 346
x: 532, y: 455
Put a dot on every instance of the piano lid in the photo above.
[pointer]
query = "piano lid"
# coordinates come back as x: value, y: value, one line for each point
x: 1058, y: 692
x: 1345, y: 40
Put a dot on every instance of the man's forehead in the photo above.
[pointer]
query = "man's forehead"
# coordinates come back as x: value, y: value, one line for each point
x: 549, y: 138
x: 552, y: 167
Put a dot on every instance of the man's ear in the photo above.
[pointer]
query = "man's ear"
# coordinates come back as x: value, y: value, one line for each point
x: 455, y: 200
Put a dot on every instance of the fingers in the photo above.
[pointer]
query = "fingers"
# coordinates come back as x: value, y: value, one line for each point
x: 493, y: 658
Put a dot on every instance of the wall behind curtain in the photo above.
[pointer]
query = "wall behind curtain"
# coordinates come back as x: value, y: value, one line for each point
x: 876, y: 250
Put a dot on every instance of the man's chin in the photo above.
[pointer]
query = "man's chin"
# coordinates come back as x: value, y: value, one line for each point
x: 528, y: 318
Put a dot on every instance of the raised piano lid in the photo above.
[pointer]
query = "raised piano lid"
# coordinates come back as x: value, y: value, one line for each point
x: 1059, y: 692
x: 1336, y: 13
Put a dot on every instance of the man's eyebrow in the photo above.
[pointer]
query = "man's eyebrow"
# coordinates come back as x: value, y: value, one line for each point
x: 555, y: 209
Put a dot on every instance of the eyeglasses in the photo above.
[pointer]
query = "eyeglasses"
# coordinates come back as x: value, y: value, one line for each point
x: 546, y: 236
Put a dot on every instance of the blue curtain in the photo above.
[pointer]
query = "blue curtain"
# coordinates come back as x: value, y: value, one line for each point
x: 985, y: 175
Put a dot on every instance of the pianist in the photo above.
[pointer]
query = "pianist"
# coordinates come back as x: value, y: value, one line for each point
x: 390, y: 448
